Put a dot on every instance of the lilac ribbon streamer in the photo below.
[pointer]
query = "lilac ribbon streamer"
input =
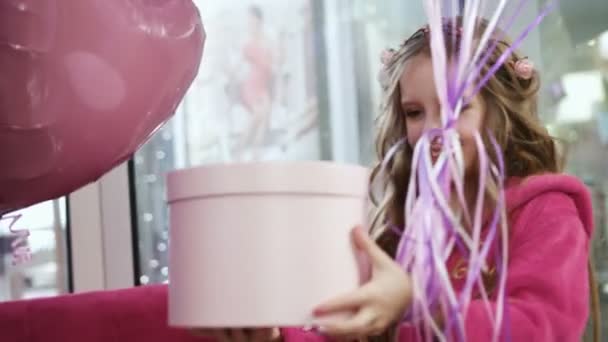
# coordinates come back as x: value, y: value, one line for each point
x: 488, y: 53
x: 548, y: 8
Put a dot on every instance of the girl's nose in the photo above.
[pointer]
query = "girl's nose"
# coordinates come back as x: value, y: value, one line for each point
x: 433, y: 121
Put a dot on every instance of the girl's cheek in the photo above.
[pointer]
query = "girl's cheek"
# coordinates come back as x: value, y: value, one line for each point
x: 470, y: 121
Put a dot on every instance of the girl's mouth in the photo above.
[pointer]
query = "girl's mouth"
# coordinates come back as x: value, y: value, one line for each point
x: 435, y: 152
x: 436, y: 148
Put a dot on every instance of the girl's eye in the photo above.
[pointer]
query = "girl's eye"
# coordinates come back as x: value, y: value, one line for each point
x: 412, y: 113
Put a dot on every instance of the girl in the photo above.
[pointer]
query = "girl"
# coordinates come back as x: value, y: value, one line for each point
x: 256, y: 90
x: 549, y: 214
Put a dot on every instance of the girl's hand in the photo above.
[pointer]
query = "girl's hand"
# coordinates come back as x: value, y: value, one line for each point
x: 377, y: 304
x: 240, y: 335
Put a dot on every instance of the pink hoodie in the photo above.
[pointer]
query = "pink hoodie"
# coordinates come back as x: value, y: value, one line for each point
x: 551, y: 223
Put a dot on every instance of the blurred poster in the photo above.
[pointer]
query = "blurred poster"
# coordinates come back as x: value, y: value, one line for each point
x: 255, y: 95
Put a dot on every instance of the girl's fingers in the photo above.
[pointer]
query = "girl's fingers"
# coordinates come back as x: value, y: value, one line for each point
x: 265, y: 335
x: 360, y: 325
x: 348, y: 302
x: 237, y: 335
x: 215, y: 334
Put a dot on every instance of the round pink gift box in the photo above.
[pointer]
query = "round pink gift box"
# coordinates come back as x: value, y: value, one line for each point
x: 262, y: 244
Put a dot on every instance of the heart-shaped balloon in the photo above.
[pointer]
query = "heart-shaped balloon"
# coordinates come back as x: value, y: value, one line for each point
x: 83, y: 84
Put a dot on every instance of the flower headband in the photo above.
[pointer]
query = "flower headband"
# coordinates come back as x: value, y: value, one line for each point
x: 523, y: 67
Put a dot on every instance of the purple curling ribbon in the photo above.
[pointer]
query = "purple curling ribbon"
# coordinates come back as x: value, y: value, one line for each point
x: 20, y: 249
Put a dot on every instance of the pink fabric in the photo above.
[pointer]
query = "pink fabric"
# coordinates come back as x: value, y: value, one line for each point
x: 551, y: 223
x: 136, y: 314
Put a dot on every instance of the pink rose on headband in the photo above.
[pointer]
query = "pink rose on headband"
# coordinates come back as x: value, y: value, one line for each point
x: 386, y: 56
x: 384, y: 78
x: 524, y: 69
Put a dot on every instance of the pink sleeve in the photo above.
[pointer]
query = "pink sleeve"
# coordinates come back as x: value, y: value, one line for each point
x: 547, y: 284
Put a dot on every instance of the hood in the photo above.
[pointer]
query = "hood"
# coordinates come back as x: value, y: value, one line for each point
x: 520, y: 191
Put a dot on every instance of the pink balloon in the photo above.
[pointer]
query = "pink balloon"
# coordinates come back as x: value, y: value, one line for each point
x: 83, y: 84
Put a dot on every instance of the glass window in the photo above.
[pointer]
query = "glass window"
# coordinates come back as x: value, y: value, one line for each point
x: 259, y: 95
x: 298, y: 81
x: 46, y: 274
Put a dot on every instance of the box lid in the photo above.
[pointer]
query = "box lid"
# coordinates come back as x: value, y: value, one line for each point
x: 295, y: 177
